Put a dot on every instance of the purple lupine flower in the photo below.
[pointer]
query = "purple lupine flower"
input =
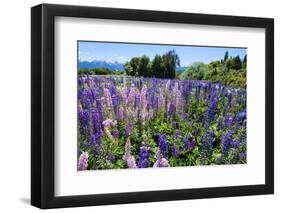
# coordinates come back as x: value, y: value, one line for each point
x: 92, y: 139
x: 235, y: 155
x: 227, y: 140
x: 163, y: 145
x: 207, y: 146
x: 162, y: 98
x: 84, y: 117
x: 110, y: 157
x: 174, y: 150
x: 120, y: 114
x: 212, y: 107
x: 190, y: 144
x: 244, y: 123
x: 144, y: 156
x: 235, y: 143
x: 124, y: 92
x: 84, y: 99
x: 161, y: 101
x: 80, y: 81
x: 197, y: 93
x: 177, y: 133
x: 97, y: 124
x: 115, y: 133
x: 185, y: 116
x: 195, y: 132
x: 114, y: 97
x: 187, y: 144
x: 243, y: 156
x: 243, y: 138
x: 225, y: 109
x: 228, y: 121
x: 171, y: 109
x: 129, y: 128
x: 241, y: 115
x: 83, y: 161
x: 149, y: 99
x: 156, y: 103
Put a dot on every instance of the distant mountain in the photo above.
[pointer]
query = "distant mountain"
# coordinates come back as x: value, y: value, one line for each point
x: 181, y: 69
x: 101, y: 64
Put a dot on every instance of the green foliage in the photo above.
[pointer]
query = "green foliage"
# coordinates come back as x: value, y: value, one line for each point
x: 85, y: 71
x: 143, y: 68
x: 197, y: 71
x: 132, y: 66
x: 230, y: 71
x: 99, y: 71
x: 161, y: 66
x: 170, y: 60
x: 157, y: 67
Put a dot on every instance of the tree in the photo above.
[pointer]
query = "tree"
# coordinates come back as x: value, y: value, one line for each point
x: 245, y: 59
x: 156, y: 66
x: 84, y: 71
x: 139, y: 66
x: 229, y: 64
x: 244, y: 64
x: 225, y: 56
x: 169, y: 61
x: 131, y: 67
x: 128, y: 68
x: 102, y: 71
x: 161, y: 66
x: 143, y: 66
x: 237, y: 63
x: 215, y: 64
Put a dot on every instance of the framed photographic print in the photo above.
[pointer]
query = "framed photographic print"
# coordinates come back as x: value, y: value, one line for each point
x: 140, y: 106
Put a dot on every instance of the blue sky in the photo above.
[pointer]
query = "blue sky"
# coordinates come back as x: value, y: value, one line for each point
x: 122, y: 52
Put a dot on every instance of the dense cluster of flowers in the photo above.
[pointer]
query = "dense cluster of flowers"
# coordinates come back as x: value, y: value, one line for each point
x: 130, y: 122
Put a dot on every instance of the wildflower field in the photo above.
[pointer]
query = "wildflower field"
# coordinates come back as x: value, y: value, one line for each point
x: 137, y: 122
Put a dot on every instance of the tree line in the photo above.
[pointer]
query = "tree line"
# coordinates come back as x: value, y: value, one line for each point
x: 162, y: 66
x: 229, y: 70
x: 99, y: 71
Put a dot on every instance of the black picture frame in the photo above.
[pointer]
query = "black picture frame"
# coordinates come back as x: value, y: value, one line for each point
x: 43, y: 105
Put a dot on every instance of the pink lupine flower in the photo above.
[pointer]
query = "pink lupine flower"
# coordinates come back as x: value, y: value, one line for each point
x: 124, y: 94
x: 130, y: 160
x: 83, y: 161
x: 177, y: 96
x: 108, y: 123
x: 143, y: 100
x: 168, y: 85
x: 132, y: 97
x: 160, y: 162
x: 108, y: 99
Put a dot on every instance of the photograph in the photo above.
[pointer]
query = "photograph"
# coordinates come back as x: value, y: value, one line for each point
x: 133, y: 105
x: 160, y: 105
